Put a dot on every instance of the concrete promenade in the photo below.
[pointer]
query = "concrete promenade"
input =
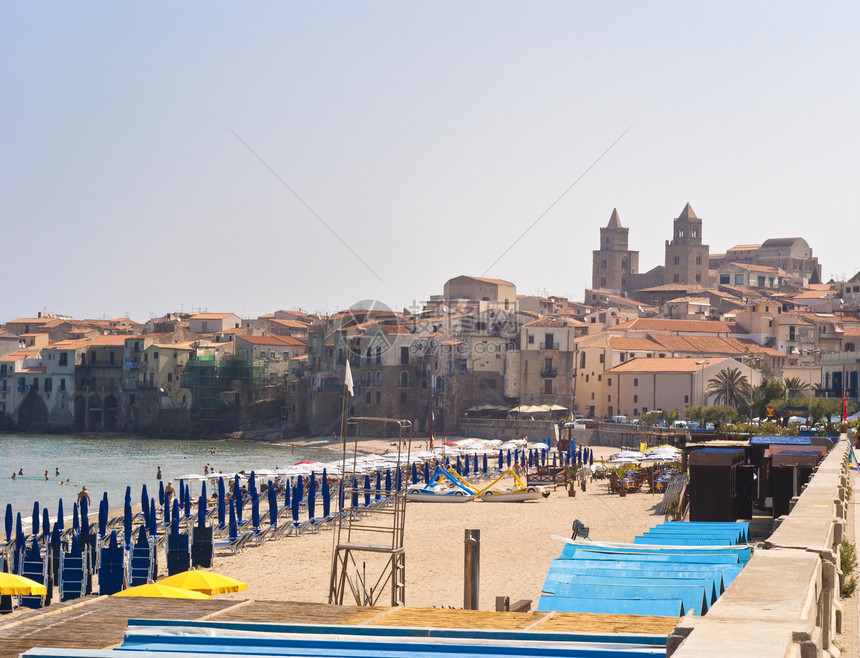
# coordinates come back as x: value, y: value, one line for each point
x: 785, y: 603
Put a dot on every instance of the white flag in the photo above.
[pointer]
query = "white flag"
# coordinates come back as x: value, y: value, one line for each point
x: 347, y: 379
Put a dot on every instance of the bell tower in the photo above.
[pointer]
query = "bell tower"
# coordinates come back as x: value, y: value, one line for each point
x: 614, y: 262
x: 687, y: 259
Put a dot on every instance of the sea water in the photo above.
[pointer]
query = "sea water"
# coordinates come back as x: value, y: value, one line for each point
x: 111, y: 464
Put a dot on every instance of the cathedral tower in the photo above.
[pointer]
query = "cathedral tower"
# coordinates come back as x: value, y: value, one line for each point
x: 686, y: 256
x: 613, y: 263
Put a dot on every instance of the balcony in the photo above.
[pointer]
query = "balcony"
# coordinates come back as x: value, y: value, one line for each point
x: 548, y: 372
x: 549, y: 346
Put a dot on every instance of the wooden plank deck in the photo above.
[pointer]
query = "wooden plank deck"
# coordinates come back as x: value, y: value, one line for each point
x: 100, y: 622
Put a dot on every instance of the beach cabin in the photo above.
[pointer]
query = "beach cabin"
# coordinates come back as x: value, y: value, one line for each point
x: 714, y: 487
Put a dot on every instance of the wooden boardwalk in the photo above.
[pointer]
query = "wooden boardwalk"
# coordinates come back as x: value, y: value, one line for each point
x: 100, y: 622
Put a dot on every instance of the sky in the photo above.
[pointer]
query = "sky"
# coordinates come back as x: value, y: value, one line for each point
x: 250, y: 157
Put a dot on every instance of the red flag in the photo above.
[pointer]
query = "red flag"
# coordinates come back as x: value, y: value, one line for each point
x: 844, y: 407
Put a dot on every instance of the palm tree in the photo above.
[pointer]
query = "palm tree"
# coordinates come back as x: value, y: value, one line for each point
x: 795, y: 386
x: 730, y: 387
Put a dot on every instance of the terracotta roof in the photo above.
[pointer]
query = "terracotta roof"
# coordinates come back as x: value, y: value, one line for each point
x: 629, y: 344
x: 36, y: 370
x: 106, y: 341
x: 498, y: 282
x: 759, y: 268
x: 210, y: 316
x: 681, y: 326
x: 278, y: 341
x: 548, y: 322
x: 20, y: 354
x: 30, y: 321
x: 744, y: 247
x: 690, y: 300
x: 852, y: 330
x: 293, y: 324
x: 813, y: 294
x: 662, y: 365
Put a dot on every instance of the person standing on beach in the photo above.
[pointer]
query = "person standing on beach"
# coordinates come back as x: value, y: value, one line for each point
x: 158, y: 473
x: 169, y: 492
x: 83, y: 494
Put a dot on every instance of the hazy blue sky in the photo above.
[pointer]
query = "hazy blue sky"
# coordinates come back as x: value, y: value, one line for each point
x: 427, y: 136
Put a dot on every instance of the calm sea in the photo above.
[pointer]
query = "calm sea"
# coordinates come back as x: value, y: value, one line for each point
x: 110, y: 464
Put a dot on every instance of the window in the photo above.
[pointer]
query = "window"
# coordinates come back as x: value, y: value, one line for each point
x: 155, y: 356
x: 791, y: 334
x: 635, y: 399
x: 62, y: 383
x: 636, y: 381
x: 111, y: 357
x: 603, y: 282
x: 49, y: 385
x: 367, y: 398
x: 603, y: 264
x: 677, y: 260
x: 739, y: 279
x: 378, y: 397
x: 404, y: 379
x: 586, y: 379
x: 547, y: 386
x: 725, y: 279
x: 623, y: 263
x: 694, y: 233
x: 582, y: 360
x: 609, y: 381
x: 169, y: 376
x: 686, y: 399
x: 403, y: 398
x: 378, y: 354
x: 680, y: 233
x: 609, y: 398
x: 676, y: 278
x: 531, y: 340
x: 644, y: 410
x: 602, y: 358
x: 698, y: 277
x: 64, y: 358
x: 404, y: 356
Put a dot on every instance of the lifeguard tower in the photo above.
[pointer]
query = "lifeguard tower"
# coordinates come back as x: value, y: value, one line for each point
x: 368, y: 537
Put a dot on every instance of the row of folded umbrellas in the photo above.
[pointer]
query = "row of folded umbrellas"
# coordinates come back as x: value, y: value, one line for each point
x: 193, y: 584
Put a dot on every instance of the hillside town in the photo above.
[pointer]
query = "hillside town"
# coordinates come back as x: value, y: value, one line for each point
x: 639, y: 342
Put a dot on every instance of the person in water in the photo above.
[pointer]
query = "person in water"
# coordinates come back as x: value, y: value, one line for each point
x: 47, y: 476
x: 158, y: 473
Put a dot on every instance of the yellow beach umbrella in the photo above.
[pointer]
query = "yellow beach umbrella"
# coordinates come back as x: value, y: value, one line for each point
x: 157, y: 590
x: 12, y: 585
x: 204, y: 581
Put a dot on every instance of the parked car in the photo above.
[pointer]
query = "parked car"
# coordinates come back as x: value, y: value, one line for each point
x: 584, y: 424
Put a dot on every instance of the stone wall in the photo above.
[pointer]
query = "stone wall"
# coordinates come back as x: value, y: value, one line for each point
x: 785, y: 602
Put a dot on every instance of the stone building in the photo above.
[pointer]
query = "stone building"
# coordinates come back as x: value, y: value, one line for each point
x: 614, y: 262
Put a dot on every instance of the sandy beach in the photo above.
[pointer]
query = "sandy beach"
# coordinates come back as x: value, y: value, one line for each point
x: 516, y: 546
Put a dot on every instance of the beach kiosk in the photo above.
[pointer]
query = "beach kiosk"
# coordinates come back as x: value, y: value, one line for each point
x: 714, y: 481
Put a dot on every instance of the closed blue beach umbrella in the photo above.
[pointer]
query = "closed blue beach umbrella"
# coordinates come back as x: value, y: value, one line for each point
x: 326, y: 495
x: 591, y: 457
x: 55, y: 535
x: 508, y: 460
x: 167, y: 511
x: 399, y: 479
x: 19, y: 527
x: 161, y: 492
x: 222, y: 504
x: 174, y: 518
x: 255, y: 512
x: 486, y: 465
x: 554, y: 459
x: 36, y: 519
x: 102, y: 518
x: 294, y: 506
x: 201, y: 511
x: 188, y: 501
x: 85, y: 513
x: 367, y: 490
x: 378, y: 485
x: 312, y: 497
x: 415, y: 473
x: 426, y: 472
x: 475, y: 464
x: 341, y: 496
x: 153, y: 519
x: 354, y: 501
x: 252, y: 484
x: 531, y: 459
x: 237, y: 500
x: 126, y: 521
x: 46, y: 521
x: 76, y: 522
x: 300, y: 489
x: 232, y: 528
x: 273, y: 505
x: 142, y: 540
x: 203, y: 492
x: 112, y: 541
x: 387, y: 482
x: 128, y: 492
x: 287, y: 490
x: 144, y: 504
x: 60, y: 520
x: 9, y: 521
x: 501, y: 460
x: 459, y: 466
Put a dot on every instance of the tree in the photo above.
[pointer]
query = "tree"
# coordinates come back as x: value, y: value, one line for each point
x: 730, y: 387
x: 795, y: 386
